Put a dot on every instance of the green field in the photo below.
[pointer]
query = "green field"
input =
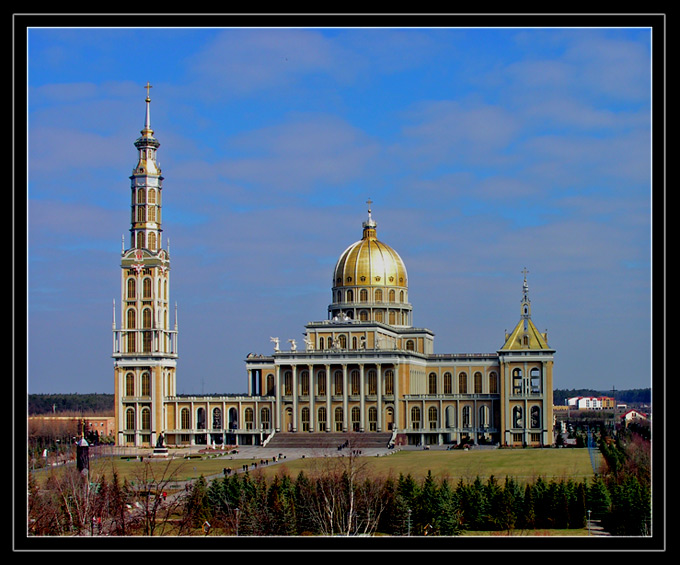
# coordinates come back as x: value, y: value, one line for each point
x: 523, y: 465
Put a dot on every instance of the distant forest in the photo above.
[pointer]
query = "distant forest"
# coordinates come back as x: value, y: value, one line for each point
x: 102, y: 404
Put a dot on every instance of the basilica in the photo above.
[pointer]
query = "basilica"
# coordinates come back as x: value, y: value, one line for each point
x: 363, y: 370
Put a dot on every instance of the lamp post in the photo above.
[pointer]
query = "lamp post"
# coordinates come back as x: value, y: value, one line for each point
x: 589, y: 511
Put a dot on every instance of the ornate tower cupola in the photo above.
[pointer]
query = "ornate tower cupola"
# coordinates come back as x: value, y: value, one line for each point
x: 147, y: 184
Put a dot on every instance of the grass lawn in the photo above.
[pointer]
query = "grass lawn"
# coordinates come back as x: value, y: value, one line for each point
x: 524, y: 465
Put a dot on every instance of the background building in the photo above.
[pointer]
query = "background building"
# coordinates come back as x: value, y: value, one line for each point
x: 365, y: 369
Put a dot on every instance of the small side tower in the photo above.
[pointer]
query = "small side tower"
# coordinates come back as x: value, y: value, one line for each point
x: 145, y: 343
x: 526, y: 367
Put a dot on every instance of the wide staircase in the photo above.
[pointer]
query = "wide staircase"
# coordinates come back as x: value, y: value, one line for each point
x: 330, y: 440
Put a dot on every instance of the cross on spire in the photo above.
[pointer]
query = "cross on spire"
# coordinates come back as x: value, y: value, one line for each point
x: 369, y: 202
x: 148, y: 88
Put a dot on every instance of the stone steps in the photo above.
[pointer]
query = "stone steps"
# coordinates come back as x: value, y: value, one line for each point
x: 330, y: 440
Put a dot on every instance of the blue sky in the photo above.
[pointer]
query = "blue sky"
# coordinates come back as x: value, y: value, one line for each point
x: 484, y: 151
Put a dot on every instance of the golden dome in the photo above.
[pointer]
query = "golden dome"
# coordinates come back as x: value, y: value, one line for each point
x: 370, y: 262
x: 370, y: 282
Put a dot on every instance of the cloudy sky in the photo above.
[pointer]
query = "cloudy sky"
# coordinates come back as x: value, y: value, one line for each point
x: 484, y: 151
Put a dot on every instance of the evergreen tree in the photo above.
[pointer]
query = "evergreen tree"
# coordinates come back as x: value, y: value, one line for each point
x: 598, y: 499
x: 448, y: 516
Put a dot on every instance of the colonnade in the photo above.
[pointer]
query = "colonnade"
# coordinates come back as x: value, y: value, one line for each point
x: 330, y: 386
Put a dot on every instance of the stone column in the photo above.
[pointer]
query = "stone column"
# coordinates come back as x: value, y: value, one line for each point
x: 345, y: 398
x: 329, y: 415
x: 378, y: 396
x: 296, y: 415
x: 362, y: 398
x: 311, y: 390
x: 277, y: 390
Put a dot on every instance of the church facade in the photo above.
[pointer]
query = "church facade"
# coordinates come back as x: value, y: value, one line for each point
x: 363, y: 369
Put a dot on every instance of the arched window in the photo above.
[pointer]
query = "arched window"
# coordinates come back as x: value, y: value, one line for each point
x: 131, y: 289
x: 372, y: 382
x: 265, y: 419
x: 338, y: 382
x: 392, y: 296
x: 356, y: 418
x: 146, y: 419
x: 363, y: 316
x: 389, y: 381
x: 484, y: 416
x: 129, y: 384
x: 200, y: 419
x: 350, y: 295
x: 379, y: 315
x: 343, y: 342
x: 248, y: 415
x: 322, y: 344
x: 321, y: 383
x: 410, y: 345
x: 131, y: 319
x: 152, y: 196
x: 517, y: 417
x: 140, y: 196
x: 270, y: 385
x: 493, y: 383
x: 432, y: 417
x: 338, y: 419
x: 287, y: 383
x: 146, y: 318
x: 372, y: 419
x: 141, y: 213
x: 462, y: 383
x: 517, y: 381
x: 152, y: 241
x: 432, y: 383
x: 535, y: 417
x: 415, y: 418
x: 304, y: 383
x: 146, y: 384
x: 321, y: 418
x: 448, y: 383
x: 130, y: 419
x: 378, y: 295
x: 146, y: 284
x: 535, y: 377
x: 478, y: 382
x: 354, y: 381
x: 140, y: 240
x: 466, y: 416
x: 363, y: 295
x: 185, y: 419
x: 304, y: 415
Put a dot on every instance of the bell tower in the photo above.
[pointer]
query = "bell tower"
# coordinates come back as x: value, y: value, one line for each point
x: 145, y: 342
x: 526, y: 366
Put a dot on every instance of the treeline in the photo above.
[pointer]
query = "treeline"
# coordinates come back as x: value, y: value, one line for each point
x: 88, y: 404
x: 631, y: 396
x: 340, y: 497
x: 39, y: 404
